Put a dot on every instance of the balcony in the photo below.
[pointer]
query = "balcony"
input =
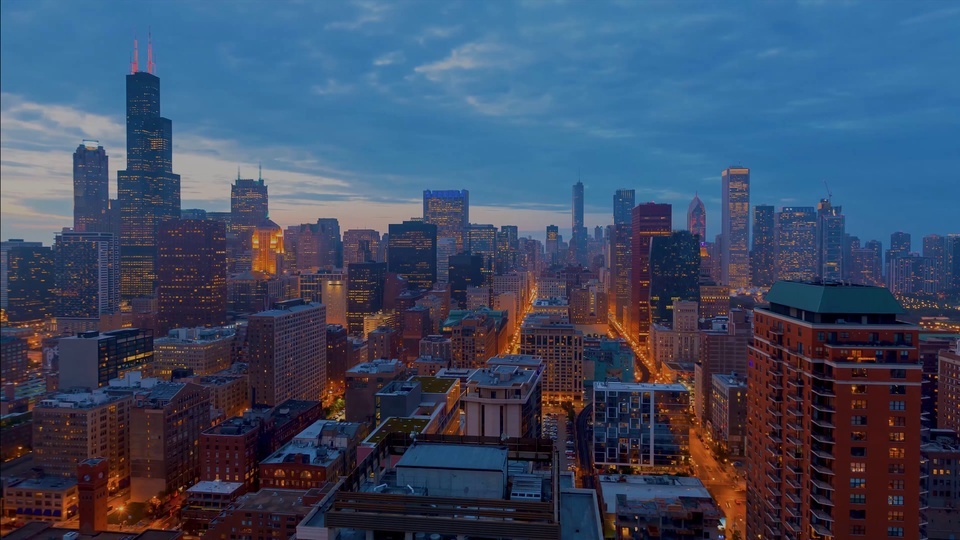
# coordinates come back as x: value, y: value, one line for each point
x: 821, y: 485
x: 822, y: 454
x: 792, y: 497
x: 821, y: 500
x: 794, y: 441
x: 795, y: 397
x: 774, y: 480
x: 792, y: 426
x: 775, y: 437
x: 820, y: 468
x: 822, y: 437
x: 823, y: 407
x: 822, y: 390
x: 822, y: 530
x: 823, y: 423
x: 822, y: 516
x: 793, y: 510
x: 775, y: 491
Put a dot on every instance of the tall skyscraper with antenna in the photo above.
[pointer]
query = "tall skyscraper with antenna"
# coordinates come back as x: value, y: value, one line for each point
x: 148, y: 190
x: 578, y: 243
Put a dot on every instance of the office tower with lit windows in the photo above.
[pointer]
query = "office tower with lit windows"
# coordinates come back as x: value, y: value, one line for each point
x: 365, y: 281
x: 762, y: 255
x: 360, y: 246
x: 866, y: 264
x: 951, y: 261
x: 87, y: 277
x: 465, y: 271
x: 287, y: 352
x: 5, y: 247
x: 934, y: 248
x: 482, y: 240
x: 830, y: 235
x: 314, y: 245
x: 560, y: 345
x: 735, y: 224
x: 697, y: 218
x: 203, y: 351
x: 473, y: 339
x: 191, y: 274
x: 508, y: 247
x: 649, y: 220
x: 29, y: 282
x: 446, y: 248
x: 833, y: 402
x: 91, y: 359
x: 913, y: 275
x: 267, y: 248
x: 412, y: 252
x: 900, y: 244
x: 578, y: 237
x: 620, y: 265
x: 449, y: 210
x: 722, y: 349
x: 148, y: 191
x: 15, y: 366
x: 553, y: 243
x: 796, y: 241
x: 249, y: 204
x: 91, y: 188
x: 674, y: 272
x: 948, y: 389
x: 623, y: 202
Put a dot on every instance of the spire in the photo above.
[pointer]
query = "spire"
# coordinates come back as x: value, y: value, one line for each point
x: 260, y: 171
x: 238, y: 172
x: 136, y: 57
x: 150, y: 65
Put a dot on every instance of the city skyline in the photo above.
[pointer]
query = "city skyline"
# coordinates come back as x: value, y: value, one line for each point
x: 44, y: 120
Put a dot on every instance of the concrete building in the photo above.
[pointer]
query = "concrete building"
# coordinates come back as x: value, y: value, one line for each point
x: 69, y: 428
x: 203, y: 351
x: 228, y: 452
x: 605, y: 359
x: 337, y: 358
x: 428, y: 366
x: 557, y: 306
x: 229, y: 393
x: 473, y: 339
x: 723, y: 349
x: 287, y: 352
x: 641, y: 425
x: 440, y: 347
x: 560, y: 345
x: 650, y: 507
x: 677, y: 342
x: 941, y: 473
x: 714, y: 301
x: 204, y: 501
x: 504, y: 398
x: 728, y: 419
x: 363, y: 381
x: 90, y: 359
x: 434, y: 399
x: 49, y: 498
x: 948, y: 389
x: 268, y: 513
x: 318, y: 454
x: 833, y: 381
x: 14, y: 368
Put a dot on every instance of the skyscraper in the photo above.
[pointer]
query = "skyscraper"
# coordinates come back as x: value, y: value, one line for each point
x: 830, y: 235
x: 482, y: 240
x: 796, y: 240
x: 762, y: 261
x: 621, y: 262
x: 623, y: 202
x: 361, y: 245
x: 267, y: 248
x: 30, y: 283
x: 674, y: 272
x: 412, y: 252
x: 833, y: 437
x: 365, y: 281
x: 91, y: 188
x: 465, y: 271
x: 5, y: 247
x: 87, y: 276
x: 697, y: 218
x: 446, y: 248
x: 191, y: 274
x: 249, y: 204
x: 553, y: 243
x: 148, y: 190
x: 288, y: 353
x: 735, y: 221
x: 578, y: 240
x: 649, y: 220
x: 934, y: 247
x: 449, y: 210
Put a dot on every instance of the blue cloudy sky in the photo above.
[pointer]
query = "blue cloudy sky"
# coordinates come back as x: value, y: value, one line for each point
x: 355, y: 107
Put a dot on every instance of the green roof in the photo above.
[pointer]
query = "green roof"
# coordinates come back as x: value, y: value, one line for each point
x: 434, y: 385
x: 834, y: 298
x: 396, y: 424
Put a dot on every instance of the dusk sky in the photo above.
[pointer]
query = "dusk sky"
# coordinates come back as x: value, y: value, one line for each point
x: 354, y: 108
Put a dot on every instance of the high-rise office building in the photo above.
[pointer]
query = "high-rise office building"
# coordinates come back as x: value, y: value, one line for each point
x: 866, y: 264
x: 204, y: 351
x: 796, y: 240
x: 934, y: 248
x: 267, y: 248
x: 649, y: 220
x: 91, y: 359
x: 365, y: 282
x: 830, y: 236
x: 446, y: 248
x: 762, y: 256
x: 623, y: 202
x: 553, y: 243
x: 360, y: 246
x: 697, y: 218
x: 249, y: 204
x: 412, y: 252
x: 578, y: 237
x: 5, y: 247
x: 148, y: 191
x: 620, y: 265
x: 15, y: 366
x: 87, y: 276
x: 674, y: 272
x: 560, y: 345
x: 951, y: 261
x: 29, y: 282
x: 287, y: 352
x: 449, y: 210
x: 191, y: 274
x: 833, y: 402
x: 91, y: 188
x: 735, y: 224
x: 482, y: 240
x: 315, y: 245
x: 465, y: 271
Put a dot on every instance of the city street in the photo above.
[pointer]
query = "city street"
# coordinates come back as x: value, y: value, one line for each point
x: 721, y: 482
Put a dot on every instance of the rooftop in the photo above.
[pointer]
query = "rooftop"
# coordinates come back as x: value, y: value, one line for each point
x: 466, y: 457
x: 237, y: 425
x: 519, y: 360
x: 399, y: 425
x: 503, y: 376
x: 731, y: 379
x: 834, y: 298
x: 280, y: 501
x: 77, y: 400
x: 376, y: 366
x: 302, y: 452
x: 47, y: 483
x: 434, y: 385
x: 282, y: 309
x: 645, y: 488
x: 579, y: 515
x: 616, y: 386
x: 215, y: 486
x: 38, y: 530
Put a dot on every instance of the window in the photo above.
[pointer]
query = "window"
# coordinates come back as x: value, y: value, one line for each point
x: 895, y: 531
x: 858, y: 466
x: 858, y: 420
x: 858, y: 482
x: 895, y: 468
x: 895, y: 500
x: 896, y: 484
x: 898, y: 374
x: 897, y: 421
x: 898, y: 405
x: 897, y: 453
x: 859, y: 373
x: 898, y: 389
x: 897, y: 436
x: 859, y: 404
x: 894, y: 516
x: 858, y: 514
x: 859, y: 389
x: 858, y: 498
x: 858, y: 435
x: 858, y: 451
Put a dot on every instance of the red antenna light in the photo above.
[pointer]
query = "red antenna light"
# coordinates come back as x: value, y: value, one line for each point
x: 136, y: 58
x: 150, y: 65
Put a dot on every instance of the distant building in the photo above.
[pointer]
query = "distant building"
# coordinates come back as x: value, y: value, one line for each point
x: 90, y: 359
x: 504, y: 398
x: 735, y: 225
x: 91, y: 188
x: 482, y: 240
x: 728, y: 418
x: 5, y: 247
x: 473, y: 339
x: 361, y: 246
x: 287, y: 352
x: 87, y: 277
x: 191, y: 274
x: 649, y: 220
x: 337, y: 357
x: 762, y: 255
x: 267, y: 249
x: 560, y: 345
x: 641, y: 425
x: 30, y: 283
x: 723, y: 349
x: 674, y: 272
x: 15, y: 366
x: 412, y: 252
x: 796, y: 241
x: 449, y: 211
x: 831, y: 228
x: 365, y: 281
x: 363, y: 381
x: 203, y: 351
x: 697, y: 219
x: 678, y: 341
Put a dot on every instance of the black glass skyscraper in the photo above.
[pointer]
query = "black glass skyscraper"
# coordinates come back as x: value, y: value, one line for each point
x: 623, y: 202
x: 30, y: 283
x: 412, y: 252
x: 674, y: 272
x: 365, y: 281
x: 91, y: 188
x: 578, y: 242
x: 762, y: 271
x: 148, y: 190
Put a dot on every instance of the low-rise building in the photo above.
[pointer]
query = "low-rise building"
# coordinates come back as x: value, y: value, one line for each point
x: 268, y: 513
x: 504, y: 398
x: 204, y: 501
x: 429, y: 365
x: 652, y: 507
x: 318, y: 454
x: 204, y: 351
x: 437, y: 346
x: 48, y: 498
x: 363, y: 381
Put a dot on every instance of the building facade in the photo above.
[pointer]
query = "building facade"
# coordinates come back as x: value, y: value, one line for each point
x: 560, y: 345
x: 191, y: 274
x: 449, y: 210
x: 287, y: 352
x: 735, y: 224
x: 649, y: 220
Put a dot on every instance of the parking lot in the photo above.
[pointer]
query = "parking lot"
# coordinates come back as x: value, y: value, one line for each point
x: 556, y: 427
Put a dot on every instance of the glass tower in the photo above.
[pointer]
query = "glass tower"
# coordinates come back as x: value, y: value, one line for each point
x: 91, y: 188
x: 449, y: 210
x: 697, y: 218
x: 735, y: 221
x: 412, y: 252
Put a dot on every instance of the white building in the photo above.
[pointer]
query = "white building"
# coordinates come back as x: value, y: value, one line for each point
x: 504, y: 398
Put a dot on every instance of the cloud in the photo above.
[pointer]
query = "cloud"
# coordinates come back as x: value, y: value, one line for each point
x: 395, y: 57
x: 331, y: 88
x: 475, y: 55
x: 932, y: 16
x: 437, y: 32
x: 369, y: 12
x: 770, y: 53
x: 510, y: 104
